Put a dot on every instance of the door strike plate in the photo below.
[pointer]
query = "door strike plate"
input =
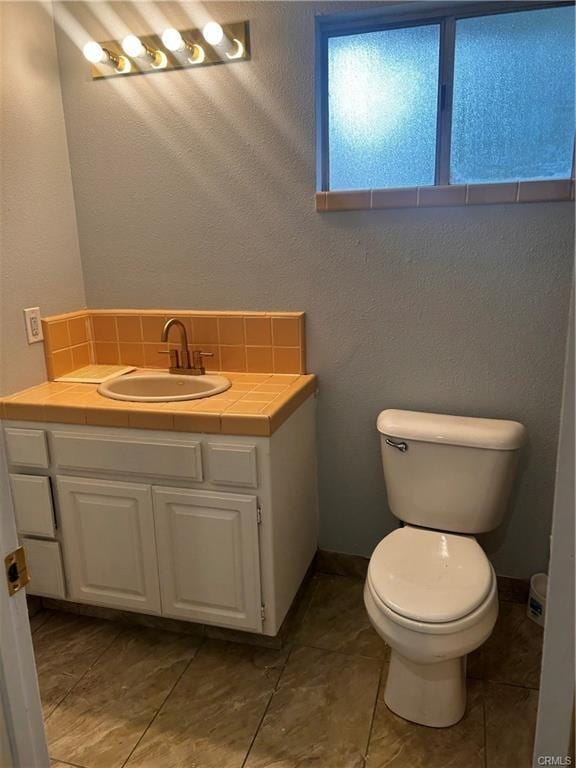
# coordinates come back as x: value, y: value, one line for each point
x: 16, y: 568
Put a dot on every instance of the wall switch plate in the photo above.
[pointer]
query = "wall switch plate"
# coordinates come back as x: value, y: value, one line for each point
x: 33, y: 325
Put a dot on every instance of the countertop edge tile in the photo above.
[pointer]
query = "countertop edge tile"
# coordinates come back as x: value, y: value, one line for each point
x: 76, y: 405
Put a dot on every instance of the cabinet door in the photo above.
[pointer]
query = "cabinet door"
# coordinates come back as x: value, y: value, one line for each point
x: 109, y: 548
x: 208, y: 557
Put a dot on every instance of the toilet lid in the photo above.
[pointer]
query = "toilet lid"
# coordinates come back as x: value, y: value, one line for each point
x: 428, y: 575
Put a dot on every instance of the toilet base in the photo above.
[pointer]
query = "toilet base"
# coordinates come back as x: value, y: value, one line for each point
x: 428, y: 694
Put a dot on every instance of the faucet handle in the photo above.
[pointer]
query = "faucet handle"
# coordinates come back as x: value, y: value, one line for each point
x: 197, y: 355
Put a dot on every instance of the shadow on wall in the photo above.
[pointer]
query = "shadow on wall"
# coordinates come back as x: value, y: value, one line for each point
x: 494, y: 540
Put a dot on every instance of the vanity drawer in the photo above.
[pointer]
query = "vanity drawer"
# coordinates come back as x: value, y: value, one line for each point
x: 232, y: 464
x: 27, y: 447
x: 45, y: 568
x: 128, y: 455
x: 32, y: 497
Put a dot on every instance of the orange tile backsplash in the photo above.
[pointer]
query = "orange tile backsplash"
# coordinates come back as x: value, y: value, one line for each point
x: 244, y: 342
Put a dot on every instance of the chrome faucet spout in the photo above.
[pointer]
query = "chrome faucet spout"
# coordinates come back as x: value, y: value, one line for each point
x: 183, y: 360
x: 180, y: 363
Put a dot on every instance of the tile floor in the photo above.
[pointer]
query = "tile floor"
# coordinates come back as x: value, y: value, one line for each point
x: 117, y: 695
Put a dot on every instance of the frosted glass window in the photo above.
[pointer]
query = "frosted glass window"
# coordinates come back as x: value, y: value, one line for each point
x: 513, y: 106
x: 382, y: 108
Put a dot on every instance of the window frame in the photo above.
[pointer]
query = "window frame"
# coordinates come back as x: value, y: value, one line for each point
x: 401, y: 16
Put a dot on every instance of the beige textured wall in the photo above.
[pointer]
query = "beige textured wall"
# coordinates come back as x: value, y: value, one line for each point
x: 195, y: 189
x: 39, y: 253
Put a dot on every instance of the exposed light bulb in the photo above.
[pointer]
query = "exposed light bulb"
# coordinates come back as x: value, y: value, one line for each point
x: 94, y: 52
x: 173, y: 40
x: 133, y: 46
x: 213, y: 33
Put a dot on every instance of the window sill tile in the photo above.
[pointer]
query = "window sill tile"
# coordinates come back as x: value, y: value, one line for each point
x: 395, y: 198
x: 356, y: 200
x: 488, y: 194
x: 541, y: 191
x: 451, y: 195
x: 454, y: 194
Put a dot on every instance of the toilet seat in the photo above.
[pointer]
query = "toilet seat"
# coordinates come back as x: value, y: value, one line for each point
x: 430, y: 577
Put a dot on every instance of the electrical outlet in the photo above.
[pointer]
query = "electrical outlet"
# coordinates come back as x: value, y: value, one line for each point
x: 33, y: 325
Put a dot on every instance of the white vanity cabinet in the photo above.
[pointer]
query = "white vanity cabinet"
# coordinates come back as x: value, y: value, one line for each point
x: 217, y: 529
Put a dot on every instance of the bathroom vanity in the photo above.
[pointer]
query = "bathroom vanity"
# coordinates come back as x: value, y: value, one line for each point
x: 216, y: 526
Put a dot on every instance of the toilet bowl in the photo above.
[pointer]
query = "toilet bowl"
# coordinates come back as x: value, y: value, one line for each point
x: 430, y: 591
x: 433, y: 598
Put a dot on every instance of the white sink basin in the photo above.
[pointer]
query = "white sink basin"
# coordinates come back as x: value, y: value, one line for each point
x: 162, y: 387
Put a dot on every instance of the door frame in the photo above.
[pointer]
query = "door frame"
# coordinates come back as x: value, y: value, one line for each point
x: 21, y: 709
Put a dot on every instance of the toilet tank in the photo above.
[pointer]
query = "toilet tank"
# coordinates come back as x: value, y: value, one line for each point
x: 450, y: 473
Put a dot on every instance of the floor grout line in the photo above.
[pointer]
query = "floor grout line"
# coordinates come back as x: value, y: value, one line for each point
x: 161, y: 707
x: 342, y: 653
x: 267, y: 707
x: 511, y: 685
x: 47, y: 618
x: 83, y: 675
x: 375, y: 707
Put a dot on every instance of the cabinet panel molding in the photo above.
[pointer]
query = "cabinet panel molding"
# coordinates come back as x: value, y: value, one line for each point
x: 128, y: 455
x: 32, y: 499
x: 109, y: 546
x: 232, y: 464
x: 27, y: 448
x: 208, y: 556
x: 45, y: 568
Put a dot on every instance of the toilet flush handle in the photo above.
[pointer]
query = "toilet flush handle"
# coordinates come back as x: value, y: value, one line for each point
x: 401, y: 446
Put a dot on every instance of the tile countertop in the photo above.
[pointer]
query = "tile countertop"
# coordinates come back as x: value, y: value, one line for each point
x: 255, y: 404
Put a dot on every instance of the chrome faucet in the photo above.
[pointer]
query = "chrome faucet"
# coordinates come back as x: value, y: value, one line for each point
x: 180, y: 362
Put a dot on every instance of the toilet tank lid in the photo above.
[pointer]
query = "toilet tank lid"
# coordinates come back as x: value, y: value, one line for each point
x: 493, y: 434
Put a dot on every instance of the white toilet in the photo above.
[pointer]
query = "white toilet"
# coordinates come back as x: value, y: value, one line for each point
x: 431, y: 592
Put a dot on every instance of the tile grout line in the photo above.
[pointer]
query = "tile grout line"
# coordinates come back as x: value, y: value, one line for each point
x: 266, y: 708
x: 510, y: 685
x: 345, y: 653
x: 91, y: 666
x: 82, y: 676
x: 161, y: 707
x: 42, y: 624
x: 373, y: 718
x: 288, y: 656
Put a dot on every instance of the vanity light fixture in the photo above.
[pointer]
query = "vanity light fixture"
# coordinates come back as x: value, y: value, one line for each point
x: 96, y: 54
x: 175, y: 43
x: 171, y: 50
x: 135, y: 48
